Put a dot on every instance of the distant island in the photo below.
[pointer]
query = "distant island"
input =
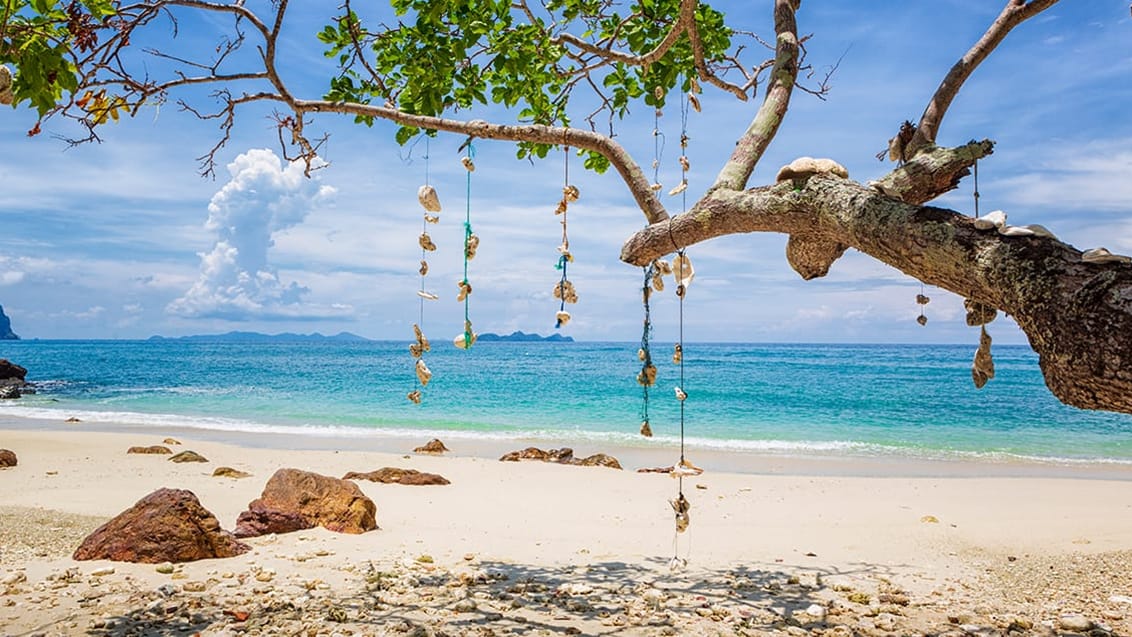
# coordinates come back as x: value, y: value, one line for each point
x: 244, y: 337
x: 522, y: 337
x: 6, y: 333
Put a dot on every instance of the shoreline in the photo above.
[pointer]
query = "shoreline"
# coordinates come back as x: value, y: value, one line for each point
x: 845, y: 462
x: 762, y: 548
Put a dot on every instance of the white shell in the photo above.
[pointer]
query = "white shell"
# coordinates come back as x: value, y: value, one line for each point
x: 429, y: 296
x: 1102, y: 255
x: 563, y: 317
x: 430, y: 201
x: 991, y: 220
x: 679, y: 189
x: 469, y: 165
x: 1015, y: 231
x: 682, y: 269
x: 1040, y: 230
x: 423, y: 373
x: 680, y: 395
x: 461, y: 343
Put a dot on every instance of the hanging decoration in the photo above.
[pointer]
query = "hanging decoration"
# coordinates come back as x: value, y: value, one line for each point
x: 430, y: 201
x: 982, y: 367
x: 653, y: 279
x: 471, y: 243
x: 564, y: 291
x: 922, y: 300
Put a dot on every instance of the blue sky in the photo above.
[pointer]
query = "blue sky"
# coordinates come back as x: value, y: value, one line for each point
x: 124, y: 239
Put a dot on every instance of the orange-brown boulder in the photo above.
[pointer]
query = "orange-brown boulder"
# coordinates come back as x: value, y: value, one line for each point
x: 168, y: 525
x: 432, y: 446
x: 154, y: 449
x: 394, y: 475
x: 564, y: 455
x: 7, y: 458
x: 294, y: 499
x: 188, y: 456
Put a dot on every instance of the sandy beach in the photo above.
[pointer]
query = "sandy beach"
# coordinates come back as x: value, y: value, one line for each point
x: 534, y: 548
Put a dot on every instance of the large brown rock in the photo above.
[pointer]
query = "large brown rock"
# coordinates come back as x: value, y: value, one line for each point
x: 394, y: 475
x: 432, y: 446
x: 11, y: 371
x: 7, y: 458
x: 168, y: 525
x: 293, y: 500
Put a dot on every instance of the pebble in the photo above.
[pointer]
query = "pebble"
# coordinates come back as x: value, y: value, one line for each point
x: 14, y: 578
x: 165, y: 568
x: 1075, y: 622
x: 817, y: 611
x: 465, y: 605
x: 105, y: 570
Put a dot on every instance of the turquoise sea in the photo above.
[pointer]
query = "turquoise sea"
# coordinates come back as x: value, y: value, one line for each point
x: 903, y: 401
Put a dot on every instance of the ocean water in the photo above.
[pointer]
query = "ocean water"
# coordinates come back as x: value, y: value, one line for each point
x: 904, y: 401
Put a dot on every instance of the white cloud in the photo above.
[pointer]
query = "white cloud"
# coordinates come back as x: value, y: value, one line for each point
x: 11, y: 277
x: 236, y: 281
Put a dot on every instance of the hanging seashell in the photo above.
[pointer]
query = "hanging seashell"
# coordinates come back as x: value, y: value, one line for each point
x: 642, y: 355
x: 682, y: 268
x: 681, y: 506
x: 561, y: 207
x: 426, y: 242
x: 922, y: 320
x: 571, y: 193
x: 564, y: 290
x: 424, y: 267
x: 1015, y: 231
x: 655, y: 164
x: 982, y: 369
x: 468, y: 164
x: 680, y: 188
x: 430, y: 201
x: 415, y: 396
x: 428, y: 296
x: 1102, y: 255
x: 684, y: 468
x: 658, y: 282
x: 658, y: 93
x: 678, y: 354
x: 646, y: 430
x: 432, y: 218
x: 415, y: 350
x: 694, y: 101
x: 991, y: 220
x: 470, y: 247
x: 977, y: 313
x: 423, y: 373
x: 465, y: 290
x: 647, y: 377
x: 922, y: 300
x: 662, y: 266
x: 684, y: 164
x: 561, y: 318
x: 655, y: 186
x: 467, y: 338
x: 421, y: 340
x: 680, y: 395
x: 684, y: 141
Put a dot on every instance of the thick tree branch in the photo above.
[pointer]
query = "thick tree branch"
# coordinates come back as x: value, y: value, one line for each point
x: 618, y: 157
x: 686, y: 19
x: 1013, y: 14
x: 751, y: 146
x: 1077, y: 315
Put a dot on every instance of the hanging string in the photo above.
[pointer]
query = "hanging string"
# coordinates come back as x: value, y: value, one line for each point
x: 647, y: 375
x: 429, y: 200
x: 471, y: 242
x: 976, y: 168
x: 564, y: 290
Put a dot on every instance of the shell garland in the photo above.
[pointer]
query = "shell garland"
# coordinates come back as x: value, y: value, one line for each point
x: 430, y: 201
x: 982, y: 368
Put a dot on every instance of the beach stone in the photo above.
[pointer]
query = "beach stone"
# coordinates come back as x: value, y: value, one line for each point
x: 564, y: 455
x: 12, y: 371
x: 1075, y: 622
x: 432, y: 446
x: 152, y: 449
x: 9, y: 392
x: 394, y: 475
x: 8, y: 458
x: 229, y: 472
x: 171, y: 441
x: 599, y: 460
x: 168, y: 525
x: 188, y: 456
x: 294, y: 499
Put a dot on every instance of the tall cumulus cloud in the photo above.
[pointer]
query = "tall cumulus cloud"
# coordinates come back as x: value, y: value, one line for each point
x: 236, y: 282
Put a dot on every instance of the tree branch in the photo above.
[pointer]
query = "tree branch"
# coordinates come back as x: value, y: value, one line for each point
x: 1013, y: 14
x: 751, y: 146
x: 686, y: 19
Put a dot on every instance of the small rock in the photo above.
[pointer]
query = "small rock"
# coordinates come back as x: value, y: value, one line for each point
x: 171, y: 441
x: 432, y: 446
x: 72, y: 419
x: 229, y: 472
x: 1120, y: 599
x: 265, y: 575
x: 7, y: 458
x: 817, y: 611
x: 14, y: 578
x: 195, y: 586
x: 165, y: 568
x: 105, y: 570
x: 152, y: 449
x: 188, y: 456
x: 466, y: 605
x: 930, y: 519
x: 1075, y: 622
x: 468, y: 557
x: 425, y: 559
x: 394, y: 475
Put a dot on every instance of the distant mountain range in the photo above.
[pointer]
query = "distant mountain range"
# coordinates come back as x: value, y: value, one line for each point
x: 244, y: 337
x: 256, y: 337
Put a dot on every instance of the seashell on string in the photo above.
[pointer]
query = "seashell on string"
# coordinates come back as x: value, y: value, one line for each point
x: 415, y: 396
x: 421, y: 340
x: 566, y: 255
x: 655, y: 186
x: 684, y: 141
x: 415, y: 350
x: 658, y: 93
x: 678, y: 563
x: 561, y: 208
x: 683, y: 185
x: 662, y: 266
x: 655, y: 165
x: 1102, y: 255
x: 561, y: 318
x: 684, y: 164
x: 432, y: 218
x: 642, y: 354
x: 922, y: 300
x: 646, y: 430
x: 977, y: 313
x: 658, y: 282
x: 428, y: 296
x: 694, y: 101
x: 990, y: 221
x: 982, y: 369
x: 682, y: 268
x: 423, y: 373
x: 469, y: 165
x: 424, y: 267
x: 681, y: 506
x: 680, y: 394
x: 426, y: 242
x: 430, y: 201
x: 678, y: 354
x: 571, y: 193
x: 470, y: 247
x: 647, y: 376
x: 922, y: 320
x: 467, y: 338
x: 465, y: 290
x: 564, y: 290
x: 684, y: 468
